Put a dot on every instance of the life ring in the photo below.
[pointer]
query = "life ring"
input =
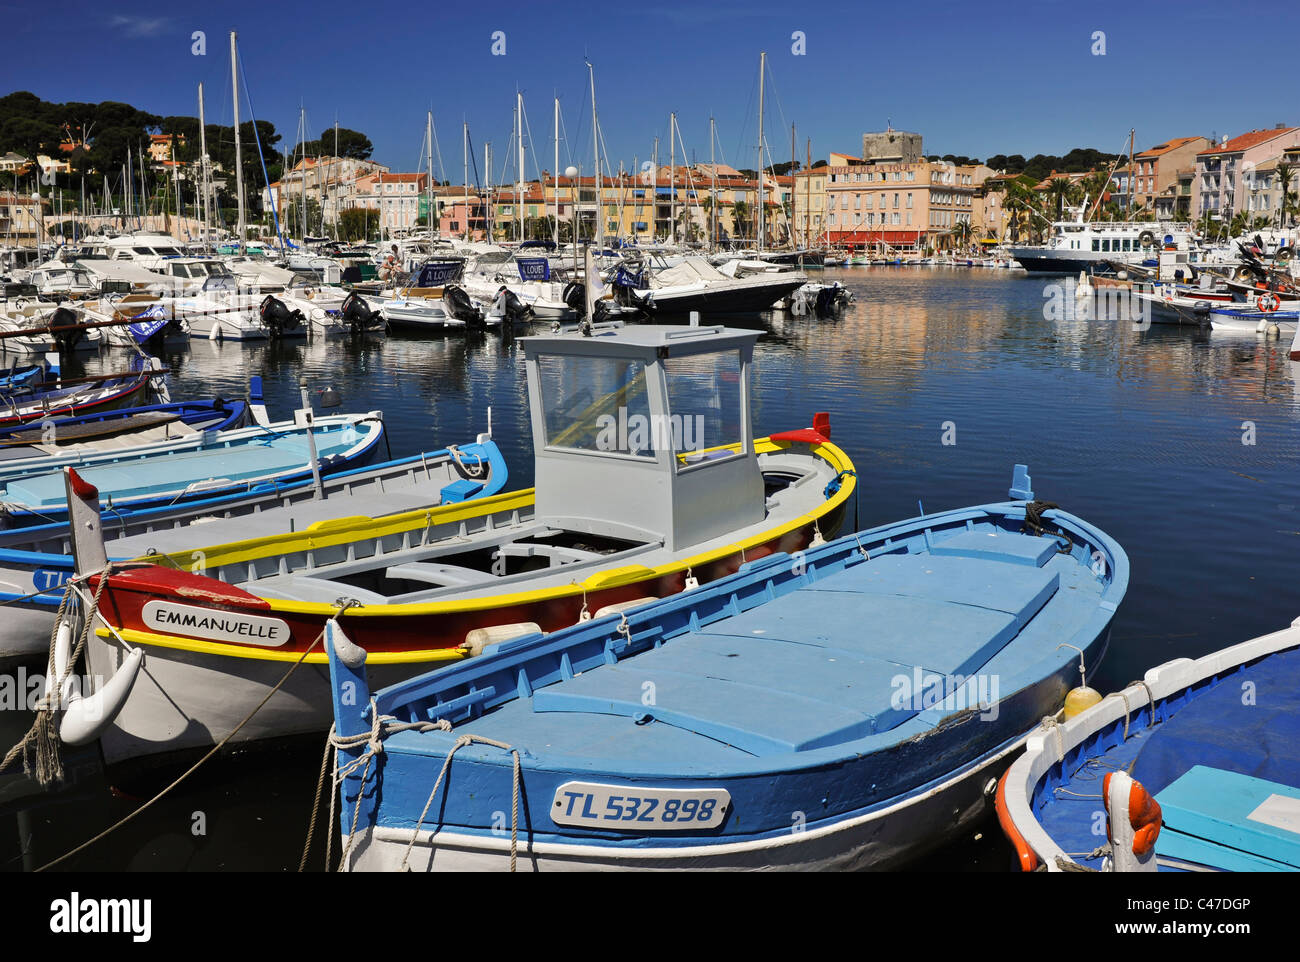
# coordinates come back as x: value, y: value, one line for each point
x: 1268, y: 302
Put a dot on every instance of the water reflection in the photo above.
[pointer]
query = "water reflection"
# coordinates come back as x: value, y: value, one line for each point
x: 1179, y: 441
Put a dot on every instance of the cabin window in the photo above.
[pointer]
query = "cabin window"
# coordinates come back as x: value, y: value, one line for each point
x: 704, y: 403
x: 1096, y: 243
x: 596, y: 404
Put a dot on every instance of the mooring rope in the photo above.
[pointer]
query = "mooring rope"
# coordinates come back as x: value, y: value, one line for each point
x: 461, y: 742
x: 193, y: 768
x: 474, y: 470
x: 43, y: 737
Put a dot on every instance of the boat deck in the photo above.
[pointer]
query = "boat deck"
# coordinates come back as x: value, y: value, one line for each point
x: 891, y: 639
x: 456, y: 562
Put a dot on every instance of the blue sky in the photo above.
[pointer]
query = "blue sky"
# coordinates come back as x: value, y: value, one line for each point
x: 973, y: 78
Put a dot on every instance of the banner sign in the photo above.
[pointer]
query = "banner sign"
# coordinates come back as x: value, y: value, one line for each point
x: 148, y: 324
x: 624, y: 278
x: 534, y: 269
x: 438, y: 273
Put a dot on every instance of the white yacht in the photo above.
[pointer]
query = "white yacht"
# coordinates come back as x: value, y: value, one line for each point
x: 1078, y: 245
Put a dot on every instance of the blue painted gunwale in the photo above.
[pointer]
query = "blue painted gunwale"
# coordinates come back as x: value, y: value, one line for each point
x: 189, y: 412
x: 828, y: 784
x: 15, y: 557
x: 1069, y: 818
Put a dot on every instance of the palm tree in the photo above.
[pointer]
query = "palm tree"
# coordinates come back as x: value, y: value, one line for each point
x: 1059, y: 190
x: 740, y: 215
x: 1285, y: 174
x: 961, y: 233
x: 1096, y: 186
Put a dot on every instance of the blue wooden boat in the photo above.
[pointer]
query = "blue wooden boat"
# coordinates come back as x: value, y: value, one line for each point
x: 26, y: 449
x: 39, y: 558
x: 27, y: 374
x: 206, y: 465
x: 1200, y: 759
x: 848, y: 706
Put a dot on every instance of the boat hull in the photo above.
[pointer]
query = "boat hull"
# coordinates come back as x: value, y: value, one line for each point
x: 880, y: 837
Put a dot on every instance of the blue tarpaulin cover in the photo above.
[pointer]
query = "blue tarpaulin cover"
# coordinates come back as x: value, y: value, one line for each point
x: 1253, y: 730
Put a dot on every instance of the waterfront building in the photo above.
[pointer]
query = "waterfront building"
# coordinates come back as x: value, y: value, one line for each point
x: 1221, y: 169
x: 1157, y: 168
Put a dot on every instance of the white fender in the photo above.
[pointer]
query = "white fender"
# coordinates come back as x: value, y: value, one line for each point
x: 57, y: 673
x: 214, y: 334
x: 1127, y: 803
x: 85, y: 718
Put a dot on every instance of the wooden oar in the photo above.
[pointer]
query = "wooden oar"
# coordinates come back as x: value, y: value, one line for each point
x: 92, y: 378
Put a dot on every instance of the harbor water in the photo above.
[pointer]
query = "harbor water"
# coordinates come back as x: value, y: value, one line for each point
x: 1179, y: 442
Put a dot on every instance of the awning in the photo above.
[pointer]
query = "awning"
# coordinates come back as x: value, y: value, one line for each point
x: 875, y: 236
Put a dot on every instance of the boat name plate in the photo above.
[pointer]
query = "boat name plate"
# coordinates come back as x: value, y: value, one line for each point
x: 164, y: 616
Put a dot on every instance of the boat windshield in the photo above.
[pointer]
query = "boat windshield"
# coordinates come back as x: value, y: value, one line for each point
x: 597, y: 405
x: 704, y: 401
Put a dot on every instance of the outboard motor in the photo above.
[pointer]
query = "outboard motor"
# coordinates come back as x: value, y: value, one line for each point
x: 69, y: 339
x: 277, y: 317
x: 457, y: 304
x: 358, y: 315
x: 513, y: 310
x: 575, y: 296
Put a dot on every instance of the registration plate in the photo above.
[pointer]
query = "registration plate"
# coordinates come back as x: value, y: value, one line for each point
x: 631, y: 809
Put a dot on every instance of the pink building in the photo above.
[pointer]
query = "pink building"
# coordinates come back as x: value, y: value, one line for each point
x: 1221, y: 170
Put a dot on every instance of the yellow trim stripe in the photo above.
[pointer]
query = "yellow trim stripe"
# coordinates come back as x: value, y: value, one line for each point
x: 338, y: 532
x: 318, y: 657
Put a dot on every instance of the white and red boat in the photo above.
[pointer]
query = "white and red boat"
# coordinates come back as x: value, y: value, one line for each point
x: 649, y: 481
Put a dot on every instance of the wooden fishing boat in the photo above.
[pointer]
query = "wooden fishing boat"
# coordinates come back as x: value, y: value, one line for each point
x: 36, y: 561
x: 29, y: 449
x: 844, y: 707
x: 628, y: 503
x: 39, y: 401
x: 1193, y: 768
x: 191, y: 466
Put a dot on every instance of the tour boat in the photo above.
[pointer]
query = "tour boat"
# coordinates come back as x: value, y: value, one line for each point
x: 844, y: 707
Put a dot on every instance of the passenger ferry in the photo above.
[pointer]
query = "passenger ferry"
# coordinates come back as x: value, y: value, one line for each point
x: 1077, y: 245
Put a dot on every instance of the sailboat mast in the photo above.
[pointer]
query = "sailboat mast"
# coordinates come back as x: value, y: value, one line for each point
x: 239, y: 160
x: 519, y: 183
x: 793, y: 162
x: 203, y: 165
x: 1131, y: 172
x: 672, y: 176
x: 595, y: 141
x: 428, y: 213
x: 713, y: 187
x: 762, y: 69
x: 466, y: 155
x: 556, y: 175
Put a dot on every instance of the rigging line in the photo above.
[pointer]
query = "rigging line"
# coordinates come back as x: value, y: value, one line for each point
x: 442, y: 169
x: 777, y: 95
x: 532, y: 149
x: 568, y: 149
x: 252, y: 118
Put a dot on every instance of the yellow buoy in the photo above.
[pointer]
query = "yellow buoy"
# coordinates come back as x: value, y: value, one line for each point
x: 1080, y: 699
